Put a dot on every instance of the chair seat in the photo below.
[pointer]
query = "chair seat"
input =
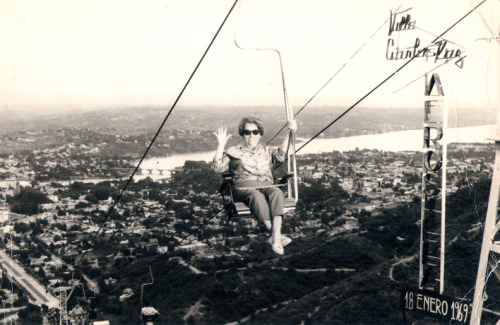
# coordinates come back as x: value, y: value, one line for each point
x: 242, y: 210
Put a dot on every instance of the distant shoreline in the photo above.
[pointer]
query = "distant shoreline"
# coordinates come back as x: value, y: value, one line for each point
x: 159, y: 168
x: 409, y: 140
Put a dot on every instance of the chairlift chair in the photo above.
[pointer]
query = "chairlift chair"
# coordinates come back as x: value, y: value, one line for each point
x: 289, y: 180
x: 239, y: 209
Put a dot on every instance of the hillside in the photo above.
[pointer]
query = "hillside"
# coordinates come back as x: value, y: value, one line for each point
x: 353, y: 278
x: 125, y: 132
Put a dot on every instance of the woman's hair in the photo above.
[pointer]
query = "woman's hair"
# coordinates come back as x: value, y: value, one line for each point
x: 250, y: 119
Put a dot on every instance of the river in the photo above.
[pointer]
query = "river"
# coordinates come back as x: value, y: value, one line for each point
x: 410, y: 140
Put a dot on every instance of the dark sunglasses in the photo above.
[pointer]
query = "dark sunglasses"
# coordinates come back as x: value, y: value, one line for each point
x: 248, y: 132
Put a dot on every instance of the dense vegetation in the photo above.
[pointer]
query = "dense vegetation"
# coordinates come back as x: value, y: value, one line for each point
x: 28, y: 201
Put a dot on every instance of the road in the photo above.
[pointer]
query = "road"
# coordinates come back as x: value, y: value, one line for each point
x: 38, y: 294
x: 10, y: 315
x: 192, y: 268
x: 400, y: 261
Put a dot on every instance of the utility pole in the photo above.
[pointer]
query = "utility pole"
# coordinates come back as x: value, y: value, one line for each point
x: 491, y: 244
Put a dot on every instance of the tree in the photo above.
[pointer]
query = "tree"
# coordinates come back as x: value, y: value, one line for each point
x: 115, y: 215
x: 82, y: 205
x: 5, y: 282
x: 21, y: 227
x: 36, y: 228
x: 31, y: 314
x: 103, y: 288
x: 41, y: 272
x: 102, y: 193
x: 91, y: 198
x: 74, y: 228
x: 28, y: 201
x: 149, y: 223
x: 325, y: 219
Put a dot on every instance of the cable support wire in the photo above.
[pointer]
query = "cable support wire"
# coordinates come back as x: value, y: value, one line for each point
x: 157, y: 132
x: 387, y: 78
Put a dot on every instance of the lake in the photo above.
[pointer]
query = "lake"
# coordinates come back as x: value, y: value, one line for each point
x: 411, y: 140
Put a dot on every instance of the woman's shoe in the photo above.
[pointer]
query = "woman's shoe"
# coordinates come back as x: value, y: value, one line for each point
x: 284, y: 240
x: 278, y: 249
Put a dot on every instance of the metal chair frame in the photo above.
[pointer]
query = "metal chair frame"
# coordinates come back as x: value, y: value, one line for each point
x: 240, y: 209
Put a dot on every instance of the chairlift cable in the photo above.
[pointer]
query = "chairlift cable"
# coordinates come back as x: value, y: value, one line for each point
x: 330, y: 124
x: 389, y: 77
x: 437, y: 67
x: 157, y: 132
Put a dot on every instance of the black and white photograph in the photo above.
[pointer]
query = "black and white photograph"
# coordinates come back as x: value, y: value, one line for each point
x: 238, y: 162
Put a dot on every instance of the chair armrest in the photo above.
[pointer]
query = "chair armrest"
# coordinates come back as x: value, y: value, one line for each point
x: 227, y: 180
x: 285, y: 178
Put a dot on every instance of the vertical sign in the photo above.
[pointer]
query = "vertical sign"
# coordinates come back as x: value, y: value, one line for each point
x: 431, y: 271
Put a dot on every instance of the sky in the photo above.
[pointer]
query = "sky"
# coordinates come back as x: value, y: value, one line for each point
x: 94, y: 53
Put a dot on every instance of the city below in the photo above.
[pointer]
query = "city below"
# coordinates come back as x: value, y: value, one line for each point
x: 55, y: 220
x: 81, y: 242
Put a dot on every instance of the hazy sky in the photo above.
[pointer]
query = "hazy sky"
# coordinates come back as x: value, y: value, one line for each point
x: 100, y: 52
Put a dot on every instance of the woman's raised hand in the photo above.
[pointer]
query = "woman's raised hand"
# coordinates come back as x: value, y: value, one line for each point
x: 222, y: 136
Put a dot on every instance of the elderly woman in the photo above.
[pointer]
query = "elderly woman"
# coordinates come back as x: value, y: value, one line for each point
x: 251, y: 163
